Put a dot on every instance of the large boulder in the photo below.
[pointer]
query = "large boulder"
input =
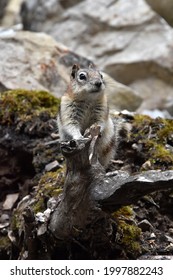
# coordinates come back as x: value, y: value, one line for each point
x: 135, y: 48
x: 125, y: 38
x: 29, y: 60
x: 36, y: 61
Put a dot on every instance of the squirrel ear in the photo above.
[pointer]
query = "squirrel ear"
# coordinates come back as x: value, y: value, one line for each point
x: 92, y: 65
x: 74, y: 70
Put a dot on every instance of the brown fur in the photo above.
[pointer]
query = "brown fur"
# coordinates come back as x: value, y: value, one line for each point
x: 85, y: 104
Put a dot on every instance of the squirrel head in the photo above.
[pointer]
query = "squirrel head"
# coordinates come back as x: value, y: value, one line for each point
x: 86, y: 80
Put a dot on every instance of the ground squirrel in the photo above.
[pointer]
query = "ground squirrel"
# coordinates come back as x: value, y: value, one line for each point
x: 84, y: 104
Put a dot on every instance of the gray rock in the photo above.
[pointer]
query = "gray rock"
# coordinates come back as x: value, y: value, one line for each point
x: 135, y: 48
x: 121, y: 97
x: 37, y: 14
x: 29, y: 60
x: 4, y: 221
x: 10, y: 201
x: 52, y: 166
x: 36, y: 61
x: 160, y: 102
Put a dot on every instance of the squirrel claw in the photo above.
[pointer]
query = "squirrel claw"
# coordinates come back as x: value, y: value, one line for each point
x: 93, y: 131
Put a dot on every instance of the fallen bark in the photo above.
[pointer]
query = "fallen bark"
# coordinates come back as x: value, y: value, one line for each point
x: 122, y: 189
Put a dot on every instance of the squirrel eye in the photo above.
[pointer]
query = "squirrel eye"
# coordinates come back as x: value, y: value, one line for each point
x: 101, y: 76
x: 82, y: 76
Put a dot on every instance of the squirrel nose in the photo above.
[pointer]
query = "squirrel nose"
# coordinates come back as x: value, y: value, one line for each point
x: 98, y: 83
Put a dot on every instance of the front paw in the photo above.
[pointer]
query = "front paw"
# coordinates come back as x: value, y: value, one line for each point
x: 92, y: 131
x: 95, y: 130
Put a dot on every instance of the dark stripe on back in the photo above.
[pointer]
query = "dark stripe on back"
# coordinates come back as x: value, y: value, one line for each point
x: 109, y: 146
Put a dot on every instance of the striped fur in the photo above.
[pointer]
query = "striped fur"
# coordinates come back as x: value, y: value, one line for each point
x: 84, y: 104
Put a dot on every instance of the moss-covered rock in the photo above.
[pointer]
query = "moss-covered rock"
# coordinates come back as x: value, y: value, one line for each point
x: 29, y: 111
x: 50, y: 185
x: 149, y: 144
x: 128, y: 233
x: 19, y: 104
x: 156, y: 138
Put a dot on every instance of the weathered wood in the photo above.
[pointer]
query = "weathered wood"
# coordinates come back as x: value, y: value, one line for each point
x: 87, y: 186
x: 76, y: 206
x: 30, y: 238
x: 122, y: 189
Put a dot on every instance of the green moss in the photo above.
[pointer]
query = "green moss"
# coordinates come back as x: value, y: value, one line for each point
x: 5, y: 242
x: 16, y: 105
x: 14, y: 221
x: 159, y: 154
x: 17, y: 219
x: 130, y: 237
x: 50, y: 185
x: 126, y: 211
x: 156, y: 138
x: 166, y: 130
x: 127, y: 231
x: 39, y: 206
